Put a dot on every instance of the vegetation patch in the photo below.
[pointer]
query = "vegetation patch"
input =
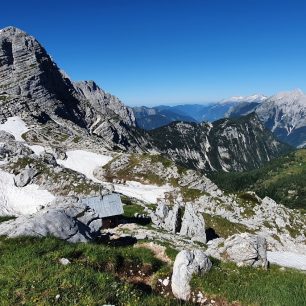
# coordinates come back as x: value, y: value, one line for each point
x: 252, y: 286
x: 63, y: 182
x: 282, y: 179
x: 190, y: 194
x: 30, y: 274
x: 6, y: 218
x: 223, y: 227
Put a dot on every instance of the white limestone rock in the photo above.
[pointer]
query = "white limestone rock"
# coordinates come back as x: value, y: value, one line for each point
x: 186, y: 264
x: 193, y: 224
x: 61, y: 219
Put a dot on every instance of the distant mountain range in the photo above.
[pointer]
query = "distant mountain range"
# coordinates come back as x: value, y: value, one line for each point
x: 62, y: 111
x: 284, y: 114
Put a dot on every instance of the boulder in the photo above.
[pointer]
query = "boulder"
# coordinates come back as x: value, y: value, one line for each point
x: 244, y: 249
x: 5, y: 136
x: 193, y: 224
x: 247, y: 250
x: 166, y: 218
x: 59, y: 154
x: 66, y: 219
x: 186, y: 264
x: 11, y: 149
x: 25, y: 177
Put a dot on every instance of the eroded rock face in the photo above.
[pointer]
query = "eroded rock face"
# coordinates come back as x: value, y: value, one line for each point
x: 244, y: 249
x: 193, y: 224
x: 186, y: 264
x: 67, y: 220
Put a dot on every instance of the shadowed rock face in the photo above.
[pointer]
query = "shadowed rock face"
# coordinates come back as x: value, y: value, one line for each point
x: 103, y: 102
x: 28, y: 73
x: 31, y: 81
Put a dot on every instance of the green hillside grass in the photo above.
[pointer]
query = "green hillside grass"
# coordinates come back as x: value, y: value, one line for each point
x: 282, y: 179
x: 30, y: 274
x: 249, y: 286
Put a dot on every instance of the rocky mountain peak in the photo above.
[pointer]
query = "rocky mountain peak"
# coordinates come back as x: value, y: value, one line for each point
x: 290, y: 96
x: 31, y: 82
x: 26, y: 69
x: 104, y: 102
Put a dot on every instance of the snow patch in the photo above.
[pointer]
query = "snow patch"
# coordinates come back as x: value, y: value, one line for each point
x: 15, y: 126
x: 288, y: 259
x: 146, y: 193
x: 21, y: 200
x: 84, y: 162
x: 37, y: 149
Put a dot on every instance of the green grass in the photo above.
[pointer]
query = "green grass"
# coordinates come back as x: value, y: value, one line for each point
x: 282, y: 179
x: 131, y: 209
x: 190, y: 194
x: 30, y: 273
x: 250, y: 286
x: 223, y: 227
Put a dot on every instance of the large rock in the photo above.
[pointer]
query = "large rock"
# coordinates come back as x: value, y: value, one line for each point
x: 193, y: 224
x: 66, y: 220
x: 247, y: 250
x: 172, y: 221
x: 25, y: 177
x: 11, y: 148
x: 244, y: 249
x: 166, y: 218
x: 186, y: 264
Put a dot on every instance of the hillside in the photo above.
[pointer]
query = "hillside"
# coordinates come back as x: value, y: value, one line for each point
x: 282, y: 179
x: 226, y: 144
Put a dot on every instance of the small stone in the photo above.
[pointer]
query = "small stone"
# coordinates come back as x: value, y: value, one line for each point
x: 64, y: 261
x: 166, y: 282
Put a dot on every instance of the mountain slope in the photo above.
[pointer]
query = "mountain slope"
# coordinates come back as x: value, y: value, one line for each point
x: 283, y: 179
x: 32, y: 84
x: 285, y: 115
x: 226, y: 144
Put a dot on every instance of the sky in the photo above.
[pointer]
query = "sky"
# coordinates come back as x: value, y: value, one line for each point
x: 152, y: 52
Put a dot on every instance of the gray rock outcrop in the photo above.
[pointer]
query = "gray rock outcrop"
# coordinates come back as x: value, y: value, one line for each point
x: 67, y: 220
x: 247, y: 250
x: 186, y: 264
x: 193, y: 224
x: 166, y: 218
x: 25, y: 177
x: 244, y: 249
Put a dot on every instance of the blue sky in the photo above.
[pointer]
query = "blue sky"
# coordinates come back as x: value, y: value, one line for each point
x: 171, y: 51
